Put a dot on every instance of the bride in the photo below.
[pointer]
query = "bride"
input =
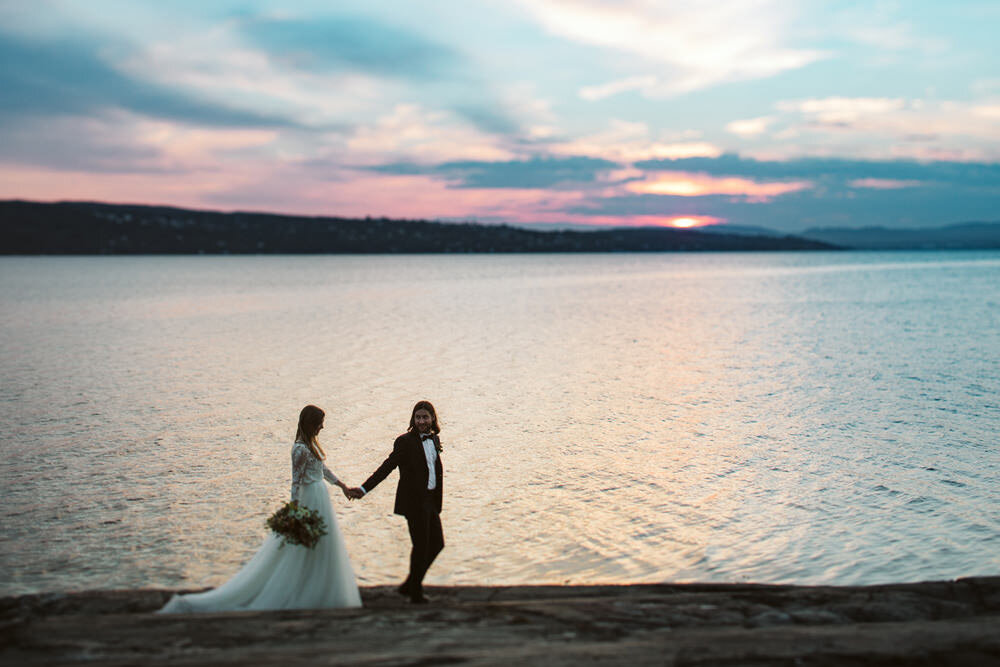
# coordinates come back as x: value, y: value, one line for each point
x: 290, y: 576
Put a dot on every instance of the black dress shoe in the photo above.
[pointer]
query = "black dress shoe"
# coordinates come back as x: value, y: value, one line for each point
x: 404, y: 589
x: 419, y: 599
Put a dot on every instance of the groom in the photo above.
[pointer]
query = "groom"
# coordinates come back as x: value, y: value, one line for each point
x: 417, y: 454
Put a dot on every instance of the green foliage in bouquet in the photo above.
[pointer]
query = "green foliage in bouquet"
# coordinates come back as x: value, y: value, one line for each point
x: 297, y: 525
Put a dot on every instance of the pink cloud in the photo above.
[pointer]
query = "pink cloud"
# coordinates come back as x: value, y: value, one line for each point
x: 409, y: 131
x: 630, y: 142
x: 681, y: 184
x: 749, y: 127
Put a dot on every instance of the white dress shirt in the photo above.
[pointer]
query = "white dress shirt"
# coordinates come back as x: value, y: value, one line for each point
x: 431, y: 454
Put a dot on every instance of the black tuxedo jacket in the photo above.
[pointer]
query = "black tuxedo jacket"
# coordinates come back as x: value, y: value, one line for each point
x: 408, y: 455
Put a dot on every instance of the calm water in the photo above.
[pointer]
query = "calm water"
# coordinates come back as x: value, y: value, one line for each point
x: 805, y: 418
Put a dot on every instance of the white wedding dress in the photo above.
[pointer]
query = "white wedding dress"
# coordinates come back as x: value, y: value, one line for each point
x: 288, y: 576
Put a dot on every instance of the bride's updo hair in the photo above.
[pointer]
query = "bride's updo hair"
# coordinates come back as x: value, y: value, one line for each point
x: 309, y: 420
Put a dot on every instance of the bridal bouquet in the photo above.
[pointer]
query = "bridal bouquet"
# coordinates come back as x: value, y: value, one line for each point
x: 297, y: 525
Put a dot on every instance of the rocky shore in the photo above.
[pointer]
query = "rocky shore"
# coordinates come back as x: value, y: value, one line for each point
x: 931, y: 623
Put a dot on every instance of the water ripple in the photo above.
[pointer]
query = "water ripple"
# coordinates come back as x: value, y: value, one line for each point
x: 807, y: 418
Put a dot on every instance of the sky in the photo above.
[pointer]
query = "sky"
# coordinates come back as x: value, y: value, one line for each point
x: 785, y: 115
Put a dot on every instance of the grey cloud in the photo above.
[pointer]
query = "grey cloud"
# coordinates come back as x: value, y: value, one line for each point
x: 534, y: 173
x: 833, y: 176
x: 66, y: 146
x: 68, y: 78
x: 351, y: 43
x: 965, y: 174
x: 489, y: 119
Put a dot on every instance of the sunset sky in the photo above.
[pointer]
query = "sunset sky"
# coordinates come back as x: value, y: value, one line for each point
x: 787, y: 115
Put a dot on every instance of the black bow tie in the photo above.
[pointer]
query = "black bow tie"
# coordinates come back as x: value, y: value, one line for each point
x: 426, y: 436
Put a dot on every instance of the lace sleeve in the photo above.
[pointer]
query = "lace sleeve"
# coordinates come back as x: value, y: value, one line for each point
x: 300, y: 461
x: 329, y: 476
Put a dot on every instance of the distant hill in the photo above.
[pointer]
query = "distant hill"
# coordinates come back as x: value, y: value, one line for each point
x: 88, y: 228
x: 722, y: 228
x: 968, y: 235
x: 741, y: 230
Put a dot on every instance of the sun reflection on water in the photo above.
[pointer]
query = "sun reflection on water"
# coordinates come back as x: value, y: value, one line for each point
x: 606, y: 418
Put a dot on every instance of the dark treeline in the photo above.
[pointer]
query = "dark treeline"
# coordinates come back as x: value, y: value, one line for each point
x: 85, y: 228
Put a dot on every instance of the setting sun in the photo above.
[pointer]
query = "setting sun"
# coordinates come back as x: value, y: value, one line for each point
x: 683, y: 222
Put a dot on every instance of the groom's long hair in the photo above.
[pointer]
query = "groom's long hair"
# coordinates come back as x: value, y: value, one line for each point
x: 309, y: 420
x: 425, y: 405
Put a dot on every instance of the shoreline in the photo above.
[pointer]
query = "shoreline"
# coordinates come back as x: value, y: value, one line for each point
x: 938, y: 622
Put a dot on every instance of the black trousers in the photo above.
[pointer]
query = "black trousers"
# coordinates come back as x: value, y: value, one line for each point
x: 427, y: 538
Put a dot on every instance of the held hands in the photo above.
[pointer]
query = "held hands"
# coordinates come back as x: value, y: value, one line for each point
x: 352, y: 493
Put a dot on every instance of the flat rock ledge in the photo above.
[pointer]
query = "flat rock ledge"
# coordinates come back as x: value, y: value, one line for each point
x: 930, y: 623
